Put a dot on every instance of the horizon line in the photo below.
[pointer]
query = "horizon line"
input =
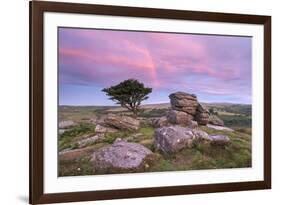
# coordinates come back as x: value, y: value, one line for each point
x: 116, y: 105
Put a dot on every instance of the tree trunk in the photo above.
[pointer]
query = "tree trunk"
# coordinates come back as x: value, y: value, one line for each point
x: 135, y: 112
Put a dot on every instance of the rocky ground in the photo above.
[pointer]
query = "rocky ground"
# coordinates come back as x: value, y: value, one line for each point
x: 183, y: 136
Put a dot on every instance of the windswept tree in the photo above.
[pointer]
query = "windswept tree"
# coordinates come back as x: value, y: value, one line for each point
x: 129, y: 94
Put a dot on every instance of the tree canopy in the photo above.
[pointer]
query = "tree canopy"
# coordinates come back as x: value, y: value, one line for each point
x: 129, y: 94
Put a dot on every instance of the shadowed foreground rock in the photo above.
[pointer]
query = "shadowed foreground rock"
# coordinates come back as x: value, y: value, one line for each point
x: 179, y: 117
x: 121, y: 156
x: 122, y: 122
x: 216, y: 127
x: 202, y: 115
x: 172, y: 139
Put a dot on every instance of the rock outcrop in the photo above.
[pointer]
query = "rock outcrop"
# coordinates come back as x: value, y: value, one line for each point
x: 121, y: 122
x: 184, y: 102
x: 172, y: 139
x: 121, y: 156
x: 185, y: 108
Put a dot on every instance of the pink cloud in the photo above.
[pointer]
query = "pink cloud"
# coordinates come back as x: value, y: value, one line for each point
x: 161, y: 60
x: 143, y: 64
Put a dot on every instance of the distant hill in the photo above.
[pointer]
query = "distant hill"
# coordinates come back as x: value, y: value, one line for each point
x: 244, y: 109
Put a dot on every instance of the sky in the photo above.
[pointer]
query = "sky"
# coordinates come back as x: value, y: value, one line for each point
x: 215, y: 68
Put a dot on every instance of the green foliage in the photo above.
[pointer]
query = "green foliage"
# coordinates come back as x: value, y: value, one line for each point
x: 239, y: 109
x: 111, y: 137
x: 147, y: 132
x: 129, y: 94
x: 236, y: 120
x: 80, y: 129
x: 67, y: 139
x: 200, y: 156
x: 161, y: 164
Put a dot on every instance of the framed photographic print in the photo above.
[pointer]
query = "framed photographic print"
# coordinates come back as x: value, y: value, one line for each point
x: 138, y: 102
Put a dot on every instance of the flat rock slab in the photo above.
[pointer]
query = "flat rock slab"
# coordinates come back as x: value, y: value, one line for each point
x: 66, y: 124
x: 74, y: 154
x: 122, y: 122
x: 216, y: 127
x: 90, y: 140
x: 102, y: 129
x: 121, y: 156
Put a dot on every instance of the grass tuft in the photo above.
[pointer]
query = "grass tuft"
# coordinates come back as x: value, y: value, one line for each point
x: 69, y: 138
